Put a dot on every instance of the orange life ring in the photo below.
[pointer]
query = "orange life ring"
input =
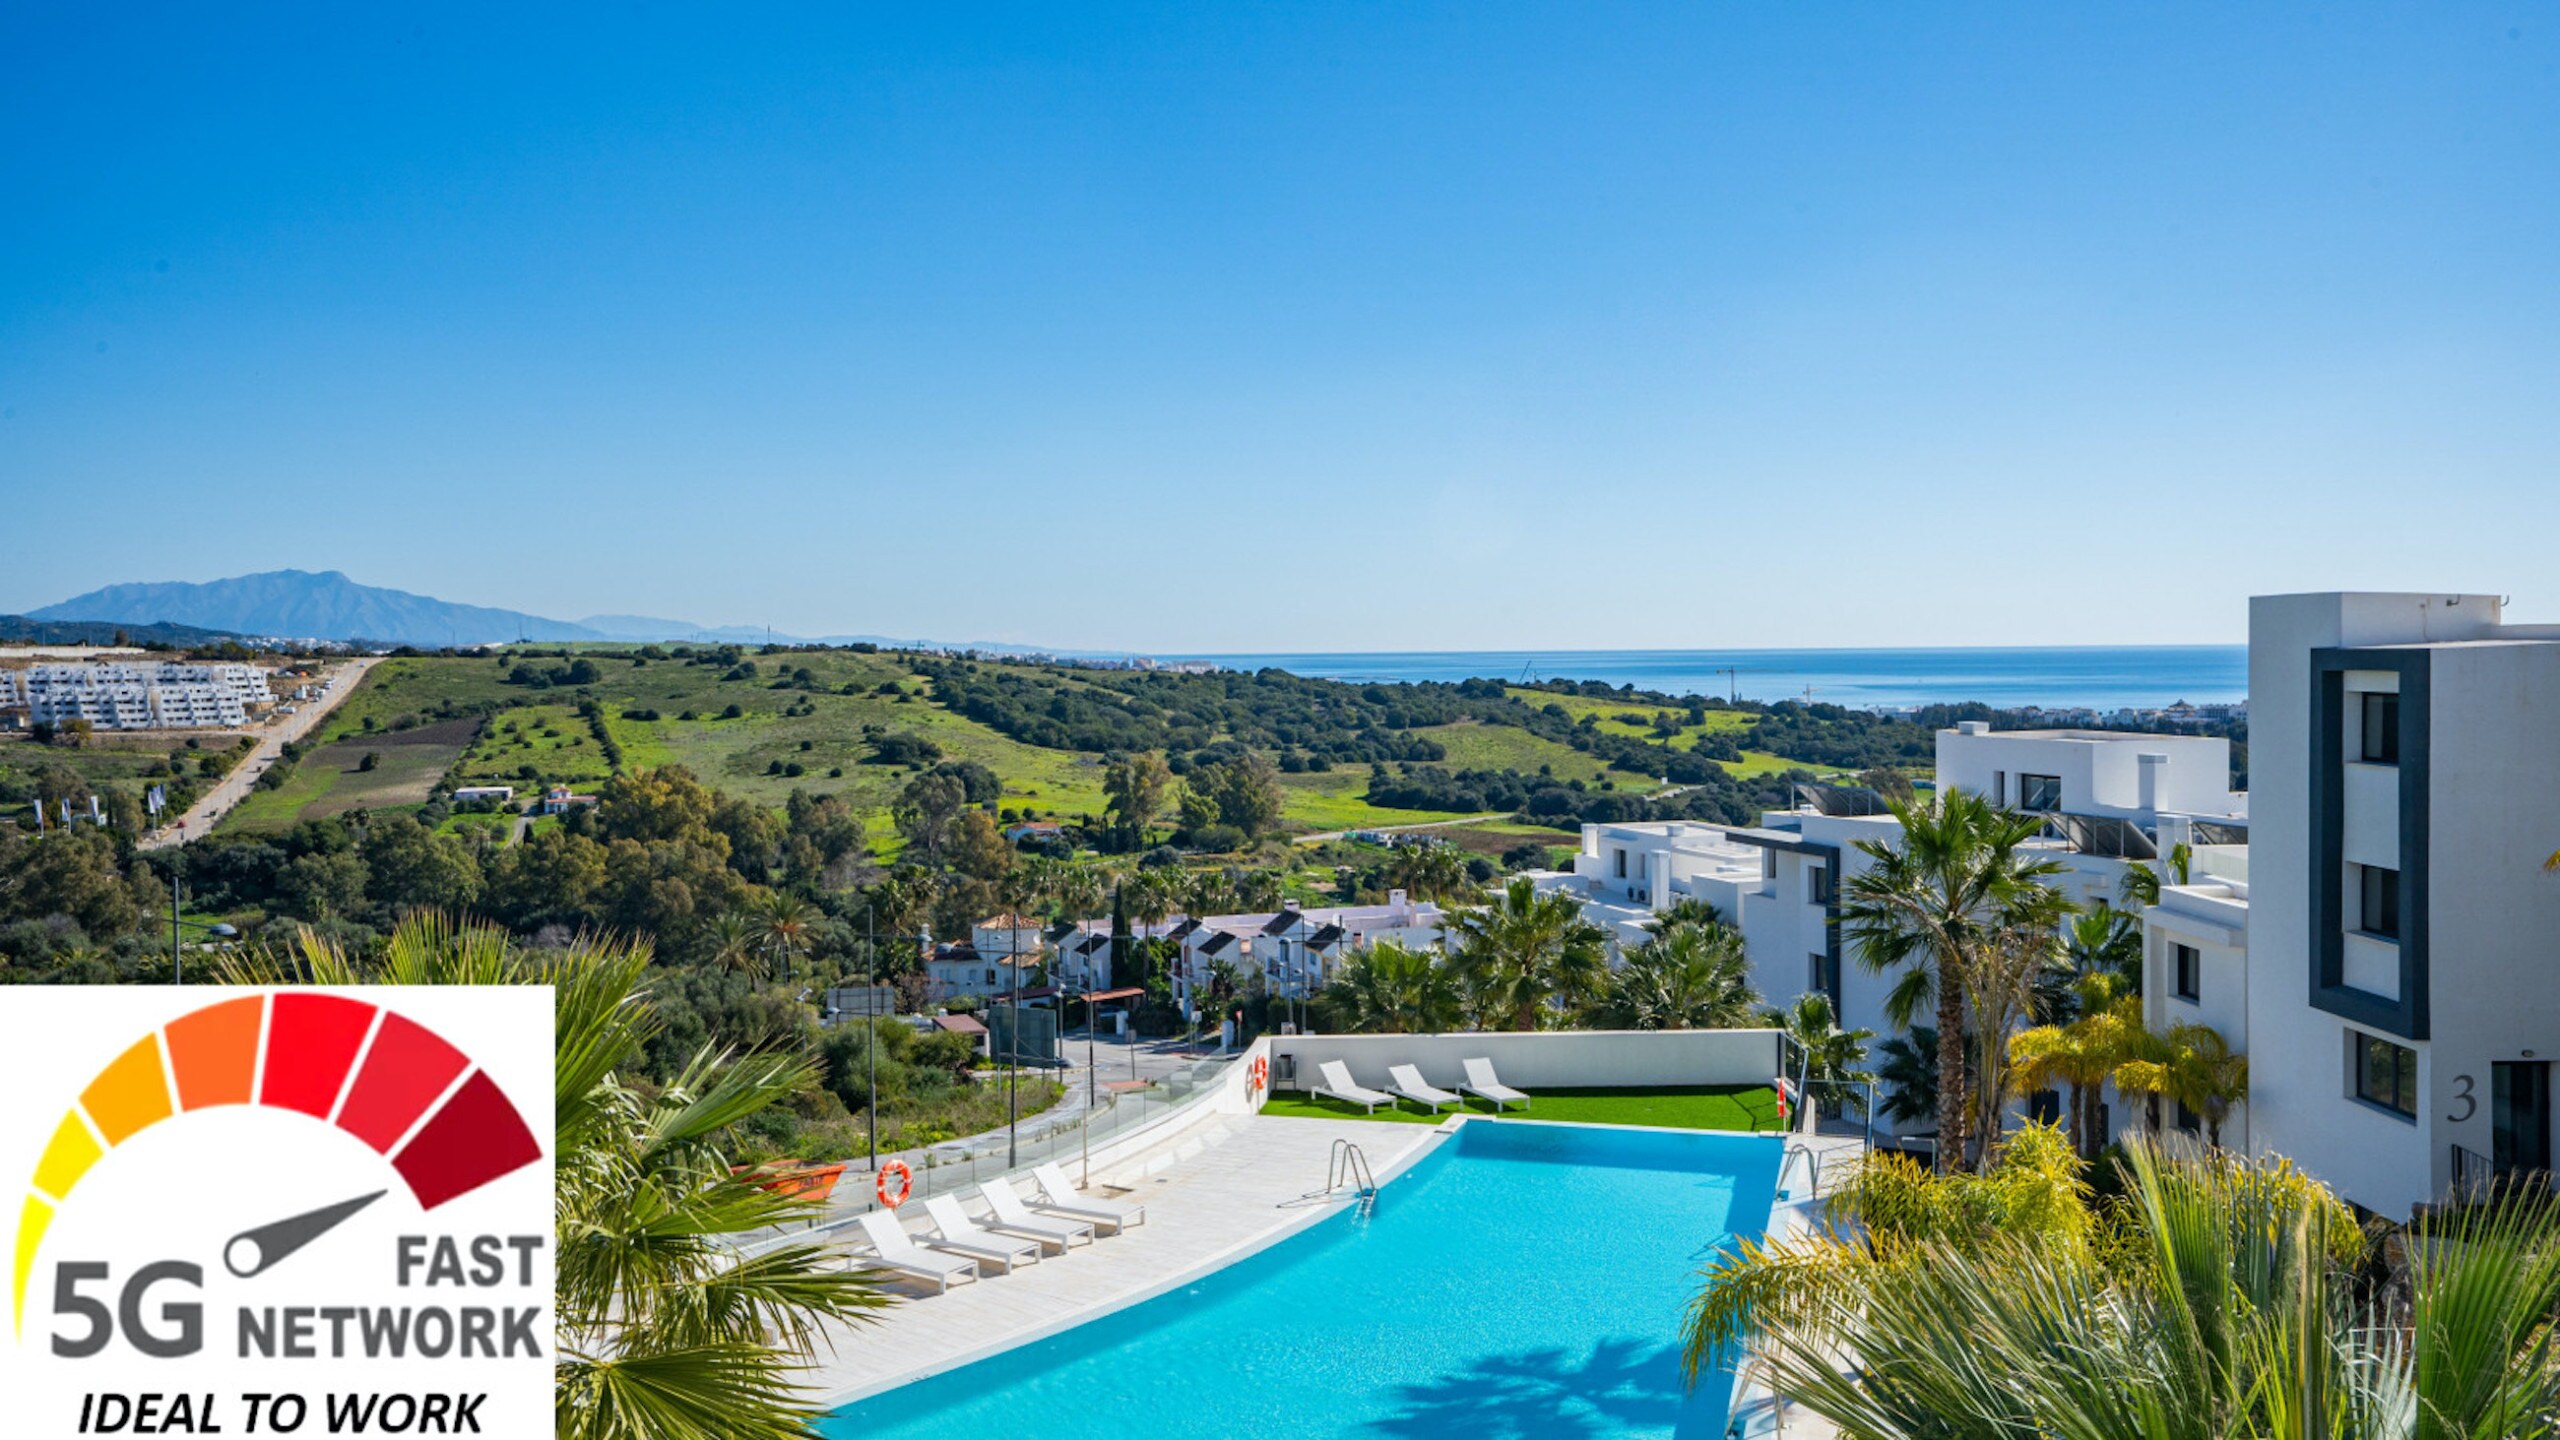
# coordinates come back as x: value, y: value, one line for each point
x: 1261, y: 1072
x: 906, y: 1184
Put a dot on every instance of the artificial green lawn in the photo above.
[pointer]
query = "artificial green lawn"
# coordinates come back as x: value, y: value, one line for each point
x: 1694, y: 1107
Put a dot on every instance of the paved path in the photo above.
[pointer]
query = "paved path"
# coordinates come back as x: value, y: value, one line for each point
x: 1222, y: 1189
x: 233, y: 788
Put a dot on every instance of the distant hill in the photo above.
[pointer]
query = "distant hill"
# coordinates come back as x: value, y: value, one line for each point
x: 300, y: 605
x: 22, y: 630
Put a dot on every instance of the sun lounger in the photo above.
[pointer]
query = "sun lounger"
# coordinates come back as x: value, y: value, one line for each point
x: 1339, y: 1084
x: 1065, y: 1199
x: 1406, y: 1082
x: 1482, y: 1081
x: 900, y: 1254
x: 1012, y: 1217
x: 959, y: 1234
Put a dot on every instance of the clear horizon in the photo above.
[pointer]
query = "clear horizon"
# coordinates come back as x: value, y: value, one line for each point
x: 1169, y: 331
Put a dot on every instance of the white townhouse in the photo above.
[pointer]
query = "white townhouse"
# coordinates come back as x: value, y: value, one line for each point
x: 1293, y: 951
x: 2112, y: 800
x: 158, y: 695
x: 2402, y: 938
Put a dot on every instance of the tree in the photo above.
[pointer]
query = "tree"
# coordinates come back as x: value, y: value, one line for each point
x: 1134, y: 787
x: 2224, y: 1299
x: 664, y: 1332
x: 1428, y: 870
x: 2196, y: 1068
x: 1391, y: 989
x: 927, y: 814
x: 1907, y: 1073
x: 980, y: 849
x: 1929, y: 903
x: 784, y: 918
x: 736, y: 942
x: 70, y: 872
x: 664, y: 803
x: 2140, y: 887
x: 1246, y: 791
x: 409, y: 866
x: 2081, y: 1054
x: 1690, y: 977
x: 1523, y: 954
x: 1833, y: 1058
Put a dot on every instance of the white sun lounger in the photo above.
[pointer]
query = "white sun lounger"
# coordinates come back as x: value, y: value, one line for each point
x: 900, y: 1254
x: 1482, y: 1081
x: 1065, y: 1199
x: 1406, y: 1081
x: 1339, y: 1084
x: 960, y: 1235
x: 1012, y: 1217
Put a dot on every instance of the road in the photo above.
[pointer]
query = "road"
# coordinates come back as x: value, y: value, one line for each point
x: 1407, y: 829
x: 272, y: 738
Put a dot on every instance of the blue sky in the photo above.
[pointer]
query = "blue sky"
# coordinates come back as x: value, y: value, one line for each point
x: 1292, y: 327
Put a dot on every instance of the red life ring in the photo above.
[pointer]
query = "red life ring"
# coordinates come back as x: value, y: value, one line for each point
x: 1261, y: 1073
x: 906, y: 1184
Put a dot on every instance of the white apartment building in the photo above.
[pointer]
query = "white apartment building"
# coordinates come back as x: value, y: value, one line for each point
x: 2115, y: 800
x: 2398, y: 978
x: 158, y: 695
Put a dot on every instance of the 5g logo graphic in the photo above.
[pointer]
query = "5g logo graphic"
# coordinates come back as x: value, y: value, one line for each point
x: 169, y: 1242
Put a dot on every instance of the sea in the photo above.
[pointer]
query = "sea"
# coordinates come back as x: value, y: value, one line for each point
x: 2094, y: 677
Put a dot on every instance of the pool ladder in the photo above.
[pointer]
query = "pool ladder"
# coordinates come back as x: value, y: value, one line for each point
x: 1347, y: 1166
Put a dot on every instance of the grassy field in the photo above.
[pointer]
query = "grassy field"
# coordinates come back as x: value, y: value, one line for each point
x: 104, y: 759
x: 1615, y: 714
x: 1695, y: 1107
x: 331, y: 780
x: 661, y: 711
x: 1472, y: 746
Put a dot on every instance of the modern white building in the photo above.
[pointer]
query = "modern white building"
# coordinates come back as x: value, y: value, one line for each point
x: 156, y: 695
x: 2401, y: 932
x: 2114, y: 800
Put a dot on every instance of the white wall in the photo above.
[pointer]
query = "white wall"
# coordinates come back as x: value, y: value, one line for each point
x: 1565, y: 1059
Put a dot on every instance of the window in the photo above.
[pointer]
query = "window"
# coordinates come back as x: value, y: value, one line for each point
x: 1999, y: 787
x: 2189, y: 1120
x: 1622, y: 863
x: 2190, y: 965
x: 2039, y: 792
x: 2378, y: 913
x: 2381, y: 728
x: 2386, y: 1074
x: 1824, y: 973
x: 1817, y: 884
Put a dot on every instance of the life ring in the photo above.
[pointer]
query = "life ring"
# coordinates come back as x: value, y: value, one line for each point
x: 1785, y: 1097
x: 1261, y: 1072
x: 906, y: 1184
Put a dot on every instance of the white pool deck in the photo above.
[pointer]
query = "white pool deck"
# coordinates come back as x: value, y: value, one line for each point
x: 1214, y: 1193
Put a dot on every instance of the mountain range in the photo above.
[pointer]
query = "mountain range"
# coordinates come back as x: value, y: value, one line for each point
x: 301, y: 605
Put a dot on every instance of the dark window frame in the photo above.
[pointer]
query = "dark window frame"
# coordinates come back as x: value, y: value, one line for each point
x: 2378, y: 903
x: 2378, y: 727
x: 2030, y: 785
x: 2186, y: 979
x: 2386, y: 1074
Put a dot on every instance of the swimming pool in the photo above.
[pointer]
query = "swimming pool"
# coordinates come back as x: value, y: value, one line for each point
x: 1521, y: 1280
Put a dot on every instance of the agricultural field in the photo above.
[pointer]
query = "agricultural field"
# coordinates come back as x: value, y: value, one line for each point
x: 1475, y: 746
x: 332, y: 780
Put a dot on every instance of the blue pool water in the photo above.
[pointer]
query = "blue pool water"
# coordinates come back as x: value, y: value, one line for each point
x: 1522, y: 1280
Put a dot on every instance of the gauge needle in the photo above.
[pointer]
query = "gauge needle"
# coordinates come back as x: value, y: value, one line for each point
x: 252, y: 1252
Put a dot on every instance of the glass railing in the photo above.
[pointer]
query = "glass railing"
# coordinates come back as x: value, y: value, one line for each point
x: 958, y: 1166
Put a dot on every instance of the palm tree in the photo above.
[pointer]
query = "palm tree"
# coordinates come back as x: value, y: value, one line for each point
x: 1428, y: 870
x: 1833, y: 1057
x: 1205, y: 893
x: 1690, y: 977
x: 2221, y: 1301
x: 1907, y: 1072
x: 2140, y: 887
x: 1392, y: 989
x: 1687, y: 910
x: 664, y: 1333
x: 2082, y: 1054
x: 2102, y: 942
x: 785, y: 918
x: 1929, y: 903
x: 1522, y: 954
x: 737, y: 943
x: 2194, y: 1066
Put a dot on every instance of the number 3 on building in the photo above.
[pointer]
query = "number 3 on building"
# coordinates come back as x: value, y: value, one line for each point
x: 2470, y: 1106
